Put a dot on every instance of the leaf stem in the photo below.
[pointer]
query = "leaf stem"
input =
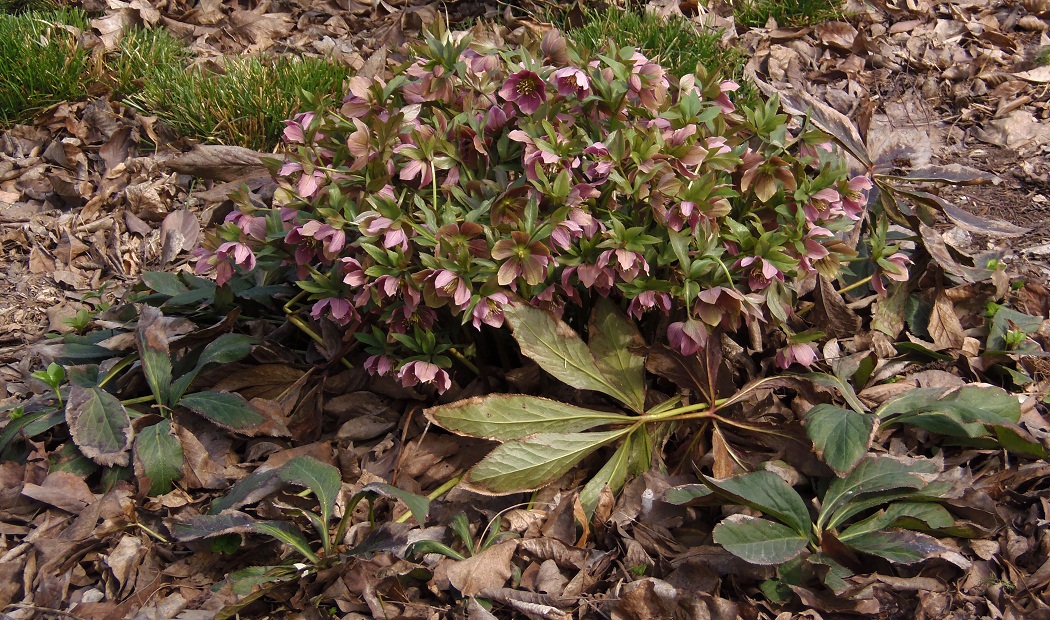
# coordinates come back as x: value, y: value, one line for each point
x: 138, y: 401
x: 463, y: 360
x: 436, y: 493
x: 855, y: 285
x: 121, y: 365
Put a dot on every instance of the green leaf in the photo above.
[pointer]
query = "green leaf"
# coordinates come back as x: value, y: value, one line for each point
x: 225, y: 349
x: 841, y: 436
x: 197, y: 527
x: 226, y: 409
x: 513, y: 416
x: 159, y: 454
x: 154, y: 353
x: 687, y: 493
x: 536, y: 461
x: 419, y: 506
x: 759, y: 541
x: 164, y: 283
x: 901, y: 514
x: 288, y: 534
x: 900, y: 546
x: 99, y: 425
x: 1006, y: 319
x: 613, y: 475
x: 558, y: 349
x: 967, y: 404
x: 321, y: 478
x: 872, y: 475
x: 611, y: 337
x: 31, y: 424
x: 768, y: 492
x: 845, y: 389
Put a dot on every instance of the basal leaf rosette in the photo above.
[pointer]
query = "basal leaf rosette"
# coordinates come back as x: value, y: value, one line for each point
x: 411, y: 212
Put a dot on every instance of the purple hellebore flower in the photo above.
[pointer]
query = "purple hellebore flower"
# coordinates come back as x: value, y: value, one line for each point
x: 295, y: 129
x: 822, y: 204
x: 687, y: 336
x: 418, y: 371
x: 526, y: 89
x: 803, y: 353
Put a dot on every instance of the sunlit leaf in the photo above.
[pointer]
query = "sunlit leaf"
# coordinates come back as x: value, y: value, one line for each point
x: 611, y: 338
x: 558, y: 349
x: 875, y: 474
x: 840, y: 436
x: 99, y: 425
x: 512, y: 416
x: 538, y: 460
x: 900, y: 546
x: 759, y: 541
x: 419, y: 506
x: 288, y: 534
x: 613, y: 475
x: 321, y: 478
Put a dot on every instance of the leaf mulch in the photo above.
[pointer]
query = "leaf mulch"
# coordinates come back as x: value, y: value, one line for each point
x: 92, y: 195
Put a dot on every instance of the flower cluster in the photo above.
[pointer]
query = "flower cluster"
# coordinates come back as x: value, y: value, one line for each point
x: 413, y: 212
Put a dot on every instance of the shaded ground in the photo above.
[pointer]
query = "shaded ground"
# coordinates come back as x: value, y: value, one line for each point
x: 87, y: 198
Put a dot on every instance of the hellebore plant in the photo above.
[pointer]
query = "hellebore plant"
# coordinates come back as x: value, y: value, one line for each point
x: 410, y: 214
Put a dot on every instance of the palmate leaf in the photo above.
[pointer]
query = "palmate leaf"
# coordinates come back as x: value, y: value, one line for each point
x: 225, y: 349
x: 841, y: 436
x: 759, y: 541
x: 894, y: 476
x: 768, y: 492
x: 558, y: 349
x: 611, y: 338
x: 528, y: 464
x: 504, y: 417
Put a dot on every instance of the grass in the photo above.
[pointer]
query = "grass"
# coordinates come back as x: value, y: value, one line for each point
x: 245, y: 103
x: 41, y: 61
x: 787, y: 13
x: 676, y: 42
x: 1042, y: 58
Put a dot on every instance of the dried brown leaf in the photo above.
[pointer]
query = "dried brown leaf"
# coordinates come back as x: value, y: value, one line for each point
x: 222, y: 163
x: 944, y: 326
x: 490, y: 569
x: 830, y: 313
x: 178, y: 232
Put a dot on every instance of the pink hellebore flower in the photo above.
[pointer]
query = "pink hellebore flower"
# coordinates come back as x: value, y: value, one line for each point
x: 339, y: 310
x: 761, y: 273
x: 723, y: 100
x: 647, y: 300
x: 572, y: 81
x: 822, y: 205
x: 688, y: 336
x: 894, y: 267
x: 253, y: 226
x: 803, y: 353
x: 489, y: 310
x: 295, y: 129
x: 354, y: 273
x: 418, y: 371
x: 332, y: 241
x: 814, y: 249
x: 855, y: 198
x: 526, y: 89
x: 379, y: 365
x: 442, y: 285
x: 522, y: 257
